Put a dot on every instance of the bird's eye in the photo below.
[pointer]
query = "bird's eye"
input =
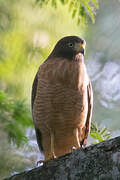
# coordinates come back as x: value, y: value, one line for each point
x: 70, y: 44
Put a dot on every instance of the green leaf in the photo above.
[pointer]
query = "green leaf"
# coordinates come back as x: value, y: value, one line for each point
x: 90, y: 11
x: 74, y: 13
x: 15, y: 117
x: 85, y: 8
x: 99, y: 134
x: 78, y: 21
x: 64, y: 1
x: 95, y: 2
x: 71, y: 5
x: 54, y: 3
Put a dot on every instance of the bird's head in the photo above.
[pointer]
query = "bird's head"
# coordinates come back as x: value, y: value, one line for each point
x: 68, y: 47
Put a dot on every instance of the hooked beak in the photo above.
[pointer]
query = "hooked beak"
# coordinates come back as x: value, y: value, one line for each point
x: 80, y: 47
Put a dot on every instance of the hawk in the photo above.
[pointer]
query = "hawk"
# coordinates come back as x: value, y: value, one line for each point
x: 62, y: 99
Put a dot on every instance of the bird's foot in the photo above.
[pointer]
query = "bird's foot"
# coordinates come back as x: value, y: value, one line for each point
x: 74, y: 148
x: 40, y: 162
x: 51, y: 156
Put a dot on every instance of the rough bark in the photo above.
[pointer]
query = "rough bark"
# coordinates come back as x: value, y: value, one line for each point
x: 96, y: 162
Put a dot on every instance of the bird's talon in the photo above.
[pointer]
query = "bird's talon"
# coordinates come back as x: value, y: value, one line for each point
x: 51, y: 157
x: 39, y: 162
x: 73, y: 148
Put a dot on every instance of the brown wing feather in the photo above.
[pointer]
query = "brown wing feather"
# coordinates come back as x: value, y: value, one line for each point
x: 34, y: 92
x: 90, y: 107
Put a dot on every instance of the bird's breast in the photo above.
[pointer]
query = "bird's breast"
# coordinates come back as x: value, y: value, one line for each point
x: 70, y: 74
x: 61, y: 100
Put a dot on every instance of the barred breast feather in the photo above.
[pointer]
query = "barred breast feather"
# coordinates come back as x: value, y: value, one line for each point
x: 62, y: 103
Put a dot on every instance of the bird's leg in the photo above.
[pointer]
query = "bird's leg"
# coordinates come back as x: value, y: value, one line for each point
x: 52, y: 153
x: 76, y: 137
x: 52, y: 145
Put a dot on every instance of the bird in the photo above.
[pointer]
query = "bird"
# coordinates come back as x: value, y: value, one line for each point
x: 62, y: 99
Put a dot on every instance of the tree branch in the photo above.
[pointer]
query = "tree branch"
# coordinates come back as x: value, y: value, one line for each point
x: 97, y: 162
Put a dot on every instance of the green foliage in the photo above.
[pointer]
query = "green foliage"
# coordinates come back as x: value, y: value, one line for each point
x: 100, y: 134
x: 82, y: 9
x: 6, y: 14
x: 12, y: 158
x: 14, y: 62
x: 15, y: 117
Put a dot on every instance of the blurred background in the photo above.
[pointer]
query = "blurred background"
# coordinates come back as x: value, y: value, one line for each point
x: 28, y: 32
